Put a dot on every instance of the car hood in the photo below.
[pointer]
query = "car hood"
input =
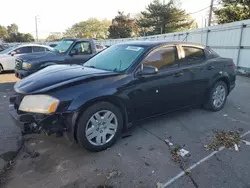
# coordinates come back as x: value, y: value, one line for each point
x: 44, y: 56
x: 56, y: 76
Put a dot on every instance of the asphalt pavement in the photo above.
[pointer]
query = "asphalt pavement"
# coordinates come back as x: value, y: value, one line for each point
x: 142, y: 158
x: 10, y: 136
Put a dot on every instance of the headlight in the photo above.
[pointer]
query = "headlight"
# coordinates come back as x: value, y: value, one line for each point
x: 43, y: 104
x: 26, y: 65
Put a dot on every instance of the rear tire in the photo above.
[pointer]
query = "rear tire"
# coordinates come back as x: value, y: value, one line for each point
x: 217, y: 97
x: 99, y: 126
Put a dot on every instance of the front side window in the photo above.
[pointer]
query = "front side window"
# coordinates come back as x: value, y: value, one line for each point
x: 192, y: 54
x: 116, y: 58
x: 83, y: 48
x: 23, y: 50
x: 163, y: 58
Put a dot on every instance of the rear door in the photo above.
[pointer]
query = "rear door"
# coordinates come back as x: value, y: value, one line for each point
x: 197, y: 63
x: 84, y: 53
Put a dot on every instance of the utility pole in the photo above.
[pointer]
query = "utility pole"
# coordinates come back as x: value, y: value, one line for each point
x: 36, y: 29
x: 210, y: 13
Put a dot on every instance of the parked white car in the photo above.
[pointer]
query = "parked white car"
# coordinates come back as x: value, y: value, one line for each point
x: 8, y: 56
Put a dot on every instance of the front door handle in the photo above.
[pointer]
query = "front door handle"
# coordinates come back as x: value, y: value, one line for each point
x: 210, y: 67
x: 178, y: 74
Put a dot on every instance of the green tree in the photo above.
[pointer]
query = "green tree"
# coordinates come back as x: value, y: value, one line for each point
x: 12, y: 29
x: 92, y: 28
x: 3, y: 32
x: 20, y: 37
x: 55, y: 36
x: 233, y: 10
x: 123, y: 26
x: 27, y: 37
x: 164, y: 18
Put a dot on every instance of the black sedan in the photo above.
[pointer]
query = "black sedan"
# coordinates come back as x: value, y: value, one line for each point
x: 92, y: 104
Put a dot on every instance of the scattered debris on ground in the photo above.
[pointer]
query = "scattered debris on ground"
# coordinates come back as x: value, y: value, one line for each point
x: 246, y: 142
x: 114, y: 174
x: 175, y: 153
x: 222, y: 138
x: 184, y: 153
x: 187, y: 172
x: 147, y: 164
x: 168, y: 142
x: 159, y: 185
x: 119, y: 154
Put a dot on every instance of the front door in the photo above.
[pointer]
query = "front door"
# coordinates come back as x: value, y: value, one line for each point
x: 10, y: 60
x: 83, y: 53
x: 164, y: 91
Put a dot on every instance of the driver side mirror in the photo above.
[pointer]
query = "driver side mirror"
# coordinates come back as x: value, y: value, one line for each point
x: 73, y: 52
x: 147, y: 70
x: 12, y: 53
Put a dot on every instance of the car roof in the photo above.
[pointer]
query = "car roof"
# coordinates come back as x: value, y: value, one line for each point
x: 152, y: 44
x: 30, y: 44
x: 78, y: 39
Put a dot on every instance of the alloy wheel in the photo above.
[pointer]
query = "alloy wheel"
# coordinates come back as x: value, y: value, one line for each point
x: 219, y: 96
x: 101, y: 127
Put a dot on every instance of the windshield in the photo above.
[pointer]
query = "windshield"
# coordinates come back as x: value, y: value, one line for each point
x: 63, y: 46
x: 8, y: 50
x: 115, y: 58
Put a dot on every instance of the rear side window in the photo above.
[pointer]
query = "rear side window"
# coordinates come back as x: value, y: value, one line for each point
x: 163, y: 58
x: 38, y: 49
x: 193, y: 55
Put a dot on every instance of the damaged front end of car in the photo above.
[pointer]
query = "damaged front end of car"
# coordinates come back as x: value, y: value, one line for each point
x: 35, y: 121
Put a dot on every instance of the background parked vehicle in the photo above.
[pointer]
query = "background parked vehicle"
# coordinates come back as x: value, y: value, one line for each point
x: 53, y: 45
x: 122, y: 84
x: 2, y: 47
x: 100, y: 47
x: 67, y: 51
x: 9, y: 55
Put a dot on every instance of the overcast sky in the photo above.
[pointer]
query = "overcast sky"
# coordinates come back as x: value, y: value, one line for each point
x: 58, y: 15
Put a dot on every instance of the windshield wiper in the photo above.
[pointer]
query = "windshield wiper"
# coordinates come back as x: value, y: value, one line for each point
x: 116, y: 70
x: 91, y: 66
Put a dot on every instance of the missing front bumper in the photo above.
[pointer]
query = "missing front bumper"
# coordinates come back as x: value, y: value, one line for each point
x: 29, y: 124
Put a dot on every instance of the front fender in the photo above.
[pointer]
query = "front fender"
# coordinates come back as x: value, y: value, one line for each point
x: 46, y: 64
x: 89, y: 96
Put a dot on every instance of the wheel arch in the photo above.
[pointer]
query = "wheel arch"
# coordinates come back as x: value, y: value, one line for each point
x: 223, y: 78
x: 46, y: 64
x: 111, y: 99
x: 1, y: 66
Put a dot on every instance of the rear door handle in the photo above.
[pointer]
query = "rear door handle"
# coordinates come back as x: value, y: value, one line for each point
x: 210, y: 67
x: 178, y: 74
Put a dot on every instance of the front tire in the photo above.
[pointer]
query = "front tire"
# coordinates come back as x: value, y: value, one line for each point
x: 217, y: 97
x: 99, y: 126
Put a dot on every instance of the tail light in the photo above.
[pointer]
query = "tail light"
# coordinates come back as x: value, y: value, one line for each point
x: 233, y: 65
